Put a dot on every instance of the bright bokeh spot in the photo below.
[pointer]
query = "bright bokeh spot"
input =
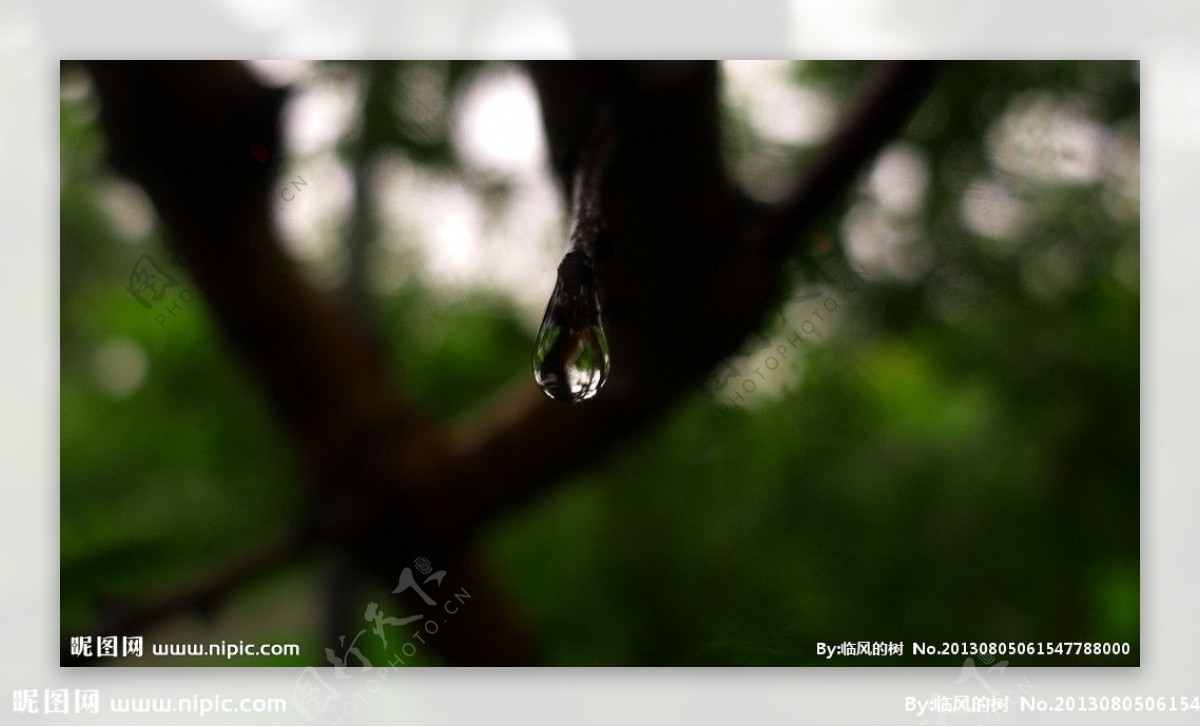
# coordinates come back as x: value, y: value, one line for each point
x: 1049, y: 139
x: 498, y: 130
x: 120, y: 367
x: 900, y: 179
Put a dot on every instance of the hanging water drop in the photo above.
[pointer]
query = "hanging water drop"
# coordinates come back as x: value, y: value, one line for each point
x: 570, y: 358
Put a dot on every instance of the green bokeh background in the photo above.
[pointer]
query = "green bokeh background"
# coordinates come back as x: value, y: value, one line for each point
x: 957, y: 458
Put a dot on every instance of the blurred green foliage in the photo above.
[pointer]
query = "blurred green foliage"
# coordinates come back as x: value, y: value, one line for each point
x: 952, y: 455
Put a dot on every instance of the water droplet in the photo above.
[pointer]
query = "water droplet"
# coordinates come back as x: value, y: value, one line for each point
x: 570, y: 358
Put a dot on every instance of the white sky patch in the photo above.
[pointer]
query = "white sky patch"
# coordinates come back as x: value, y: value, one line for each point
x: 281, y: 72
x: 782, y: 117
x: 498, y: 128
x: 1046, y: 138
x: 990, y: 209
x: 460, y: 244
x: 127, y: 207
x: 879, y: 241
x: 442, y: 224
x: 430, y: 212
x: 527, y: 242
x: 867, y: 234
x: 454, y: 221
x: 900, y: 179
x: 309, y: 202
x: 1122, y: 193
x: 74, y: 85
x: 765, y: 376
x: 320, y: 113
x: 777, y: 108
x: 120, y: 366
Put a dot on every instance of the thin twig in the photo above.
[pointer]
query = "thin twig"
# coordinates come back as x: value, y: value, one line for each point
x: 890, y: 95
x: 587, y: 221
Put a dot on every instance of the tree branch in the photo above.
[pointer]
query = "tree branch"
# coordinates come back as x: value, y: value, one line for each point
x: 184, y: 132
x: 697, y: 268
x: 889, y: 97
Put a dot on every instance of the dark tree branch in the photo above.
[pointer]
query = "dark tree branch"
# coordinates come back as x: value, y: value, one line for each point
x: 889, y: 97
x: 184, y: 132
x: 696, y: 268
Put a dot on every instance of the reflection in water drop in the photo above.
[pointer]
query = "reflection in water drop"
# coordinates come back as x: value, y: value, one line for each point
x: 570, y: 358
